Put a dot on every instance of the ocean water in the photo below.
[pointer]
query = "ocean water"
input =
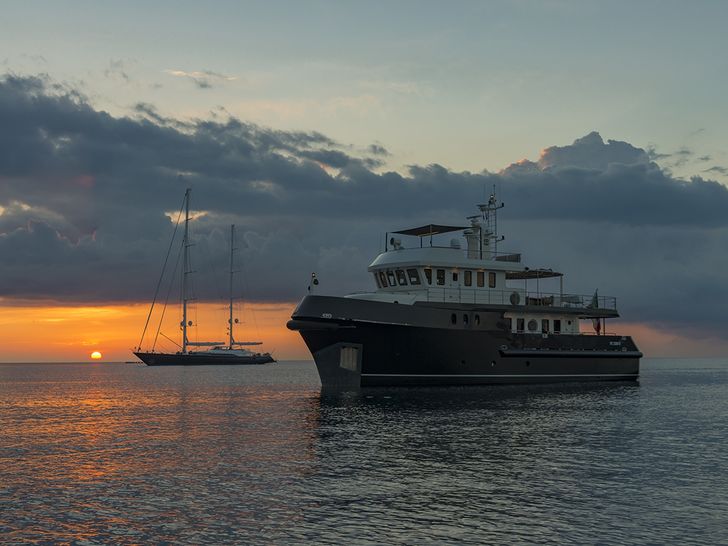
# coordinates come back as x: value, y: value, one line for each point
x: 100, y: 453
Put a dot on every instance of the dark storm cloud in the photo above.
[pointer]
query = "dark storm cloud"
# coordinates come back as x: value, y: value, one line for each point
x: 85, y: 198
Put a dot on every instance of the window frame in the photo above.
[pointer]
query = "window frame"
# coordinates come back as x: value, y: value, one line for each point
x: 481, y: 279
x: 440, y: 277
x: 413, y: 276
x: 468, y: 277
x: 401, y: 277
x: 491, y: 279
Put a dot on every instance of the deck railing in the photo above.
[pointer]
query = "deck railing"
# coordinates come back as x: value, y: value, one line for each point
x: 521, y: 297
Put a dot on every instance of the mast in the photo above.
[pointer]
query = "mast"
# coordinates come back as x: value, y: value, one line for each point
x: 230, y: 318
x: 488, y: 227
x: 185, y: 269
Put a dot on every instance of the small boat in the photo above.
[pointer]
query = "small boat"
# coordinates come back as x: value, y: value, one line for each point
x: 448, y: 315
x: 219, y: 353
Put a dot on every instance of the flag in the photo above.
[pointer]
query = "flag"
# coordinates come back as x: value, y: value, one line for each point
x: 595, y: 300
x: 597, y: 325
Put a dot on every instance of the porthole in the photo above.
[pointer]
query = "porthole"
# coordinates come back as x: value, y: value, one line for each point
x: 532, y: 325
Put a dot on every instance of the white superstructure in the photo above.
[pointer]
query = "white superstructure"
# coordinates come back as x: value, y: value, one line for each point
x: 476, y: 273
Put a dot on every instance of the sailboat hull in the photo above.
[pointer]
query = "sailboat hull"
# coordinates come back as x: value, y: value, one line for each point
x: 201, y: 359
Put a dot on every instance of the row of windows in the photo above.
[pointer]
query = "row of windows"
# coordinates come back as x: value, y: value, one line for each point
x: 533, y: 325
x: 399, y: 278
x: 520, y: 323
x: 466, y: 319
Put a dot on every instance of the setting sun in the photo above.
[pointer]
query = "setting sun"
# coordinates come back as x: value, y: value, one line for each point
x: 96, y: 355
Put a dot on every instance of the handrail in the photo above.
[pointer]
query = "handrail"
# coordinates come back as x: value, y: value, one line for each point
x: 499, y: 256
x: 521, y: 298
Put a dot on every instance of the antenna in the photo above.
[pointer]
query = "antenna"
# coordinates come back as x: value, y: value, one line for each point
x: 487, y: 224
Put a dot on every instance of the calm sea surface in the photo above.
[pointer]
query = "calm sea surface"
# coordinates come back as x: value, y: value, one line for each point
x: 122, y: 453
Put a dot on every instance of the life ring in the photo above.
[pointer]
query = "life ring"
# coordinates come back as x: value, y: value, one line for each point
x: 515, y: 298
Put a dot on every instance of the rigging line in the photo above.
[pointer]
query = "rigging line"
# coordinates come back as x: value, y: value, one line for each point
x: 164, y: 267
x: 170, y: 339
x: 166, y: 300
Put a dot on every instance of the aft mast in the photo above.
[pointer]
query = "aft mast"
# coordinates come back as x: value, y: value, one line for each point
x: 231, y: 340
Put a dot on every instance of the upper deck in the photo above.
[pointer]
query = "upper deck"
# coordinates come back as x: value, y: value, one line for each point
x: 471, y: 270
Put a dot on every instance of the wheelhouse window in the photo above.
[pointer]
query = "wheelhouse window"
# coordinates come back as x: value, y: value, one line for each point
x: 441, y: 277
x: 468, y: 278
x: 401, y: 278
x: 383, y: 279
x: 481, y: 279
x: 428, y: 275
x: 454, y: 276
x: 454, y: 318
x: 390, y: 276
x: 477, y: 319
x: 509, y: 323
x: 376, y: 280
x: 520, y: 325
x: 557, y: 326
x: 465, y: 319
x: 491, y: 279
x: 545, y: 326
x: 414, y: 276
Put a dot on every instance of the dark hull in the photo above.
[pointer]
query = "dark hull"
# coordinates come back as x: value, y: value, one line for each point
x: 196, y: 359
x: 362, y: 351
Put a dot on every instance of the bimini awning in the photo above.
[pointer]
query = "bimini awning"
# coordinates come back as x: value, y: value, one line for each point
x: 429, y: 230
x: 532, y: 274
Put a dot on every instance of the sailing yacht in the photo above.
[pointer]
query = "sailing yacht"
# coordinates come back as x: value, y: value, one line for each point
x: 217, y: 352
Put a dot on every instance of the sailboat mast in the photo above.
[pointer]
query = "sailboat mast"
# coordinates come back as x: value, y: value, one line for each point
x: 230, y: 318
x: 185, y: 269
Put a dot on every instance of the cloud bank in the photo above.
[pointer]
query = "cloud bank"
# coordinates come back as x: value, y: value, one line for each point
x: 86, y: 200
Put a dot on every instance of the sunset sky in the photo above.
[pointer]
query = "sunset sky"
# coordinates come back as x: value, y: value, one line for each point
x: 317, y: 126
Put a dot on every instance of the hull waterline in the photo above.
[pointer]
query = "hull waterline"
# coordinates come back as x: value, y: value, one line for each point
x: 195, y: 359
x: 365, y: 353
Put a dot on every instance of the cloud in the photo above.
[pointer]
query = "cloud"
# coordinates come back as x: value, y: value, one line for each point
x: 717, y: 169
x: 117, y: 69
x: 378, y: 149
x: 86, y: 199
x: 205, y: 79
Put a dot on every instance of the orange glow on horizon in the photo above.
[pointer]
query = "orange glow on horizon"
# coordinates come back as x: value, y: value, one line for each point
x: 56, y: 333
